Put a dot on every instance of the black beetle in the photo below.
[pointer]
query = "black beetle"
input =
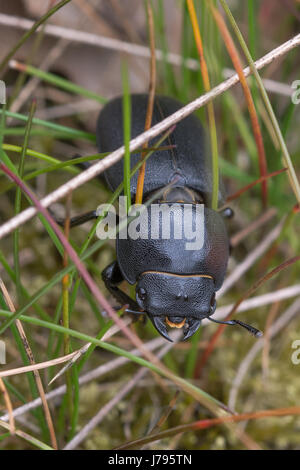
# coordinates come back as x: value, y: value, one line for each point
x: 174, y: 287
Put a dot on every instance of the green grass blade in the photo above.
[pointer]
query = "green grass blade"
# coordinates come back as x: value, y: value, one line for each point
x: 57, y: 81
x: 75, y: 133
x: 197, y: 393
x: 18, y: 202
x: 286, y: 156
x: 30, y: 32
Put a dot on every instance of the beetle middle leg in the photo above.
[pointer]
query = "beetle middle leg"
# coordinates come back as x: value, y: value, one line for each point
x: 112, y: 276
x: 77, y: 220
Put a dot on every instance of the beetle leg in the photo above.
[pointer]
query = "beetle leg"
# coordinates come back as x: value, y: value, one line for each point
x: 227, y: 212
x: 77, y: 220
x: 82, y: 165
x: 112, y: 276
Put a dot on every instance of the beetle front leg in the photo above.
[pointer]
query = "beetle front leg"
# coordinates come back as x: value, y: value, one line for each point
x: 112, y: 276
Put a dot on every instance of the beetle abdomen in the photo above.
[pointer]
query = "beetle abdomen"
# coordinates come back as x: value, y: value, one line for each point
x: 189, y: 160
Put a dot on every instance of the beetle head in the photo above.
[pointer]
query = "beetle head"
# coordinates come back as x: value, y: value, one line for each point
x: 177, y: 301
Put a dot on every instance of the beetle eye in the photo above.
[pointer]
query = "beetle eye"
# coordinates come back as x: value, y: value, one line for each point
x: 213, y: 302
x: 142, y: 294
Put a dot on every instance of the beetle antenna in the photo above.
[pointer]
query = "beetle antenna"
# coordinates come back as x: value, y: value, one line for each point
x: 254, y: 331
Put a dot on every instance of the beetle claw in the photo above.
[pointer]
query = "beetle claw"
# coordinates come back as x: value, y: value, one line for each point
x: 161, y: 327
x: 191, y: 328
